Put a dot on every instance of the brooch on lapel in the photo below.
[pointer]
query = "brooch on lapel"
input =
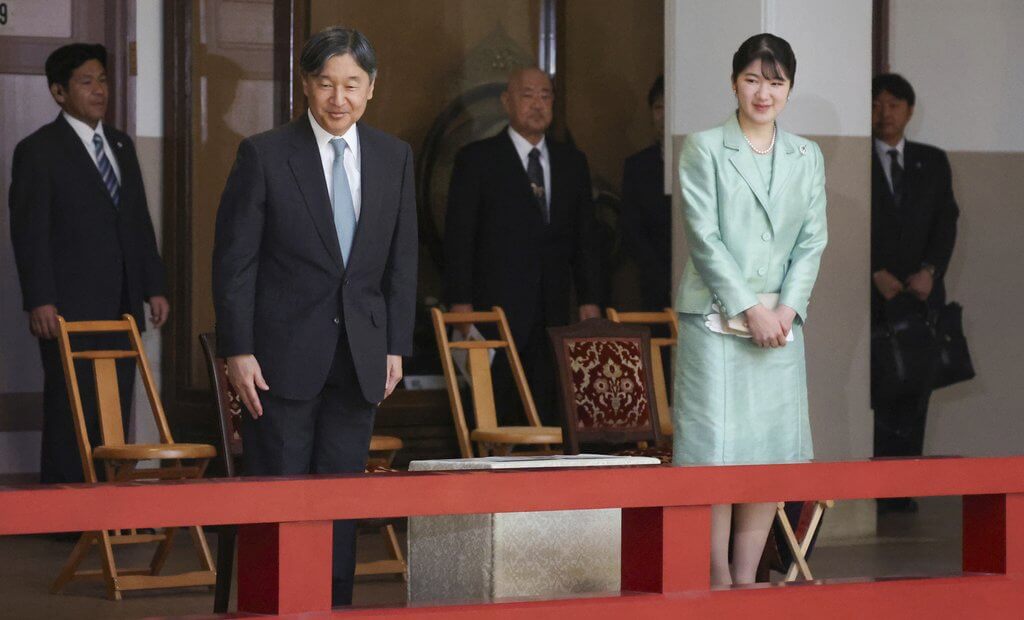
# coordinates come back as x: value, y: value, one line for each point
x: 803, y: 149
x: 119, y: 145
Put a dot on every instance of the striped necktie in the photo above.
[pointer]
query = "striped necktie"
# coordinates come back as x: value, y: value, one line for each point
x: 341, y: 200
x: 106, y: 170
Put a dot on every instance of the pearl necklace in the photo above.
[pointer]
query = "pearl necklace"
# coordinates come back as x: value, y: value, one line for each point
x: 757, y: 150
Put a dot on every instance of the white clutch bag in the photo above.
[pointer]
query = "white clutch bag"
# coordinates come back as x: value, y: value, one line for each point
x: 737, y: 325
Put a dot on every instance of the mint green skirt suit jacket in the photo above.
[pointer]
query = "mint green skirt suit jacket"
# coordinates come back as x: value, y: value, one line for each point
x: 752, y: 227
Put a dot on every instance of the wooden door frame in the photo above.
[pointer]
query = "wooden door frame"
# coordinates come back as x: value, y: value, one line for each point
x: 188, y: 406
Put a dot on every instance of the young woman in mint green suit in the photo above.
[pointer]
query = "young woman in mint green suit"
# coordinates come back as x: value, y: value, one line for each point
x: 754, y: 199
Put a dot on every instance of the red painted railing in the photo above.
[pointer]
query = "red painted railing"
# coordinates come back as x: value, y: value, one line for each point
x: 284, y: 540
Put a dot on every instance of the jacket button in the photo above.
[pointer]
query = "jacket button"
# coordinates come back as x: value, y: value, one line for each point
x: 337, y: 321
x: 767, y: 236
x: 762, y: 270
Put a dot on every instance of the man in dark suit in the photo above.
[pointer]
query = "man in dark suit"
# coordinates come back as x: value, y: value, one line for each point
x: 314, y: 278
x: 913, y: 229
x: 646, y: 218
x: 519, y: 233
x: 83, y: 242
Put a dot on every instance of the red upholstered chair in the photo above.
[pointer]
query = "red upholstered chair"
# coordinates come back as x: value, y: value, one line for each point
x: 229, y: 409
x: 660, y: 347
x: 607, y: 392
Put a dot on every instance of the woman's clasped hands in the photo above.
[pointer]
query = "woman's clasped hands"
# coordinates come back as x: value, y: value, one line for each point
x: 769, y: 328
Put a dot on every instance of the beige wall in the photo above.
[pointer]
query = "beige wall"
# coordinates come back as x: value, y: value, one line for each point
x: 976, y: 118
x: 984, y: 416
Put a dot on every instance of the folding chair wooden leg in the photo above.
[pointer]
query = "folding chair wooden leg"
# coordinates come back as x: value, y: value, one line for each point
x: 71, y: 566
x: 162, y: 551
x: 202, y: 547
x: 805, y: 543
x: 388, y: 531
x: 799, y: 562
x: 109, y: 566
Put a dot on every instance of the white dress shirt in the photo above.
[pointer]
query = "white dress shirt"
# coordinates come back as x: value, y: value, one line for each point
x: 351, y: 161
x: 523, y: 148
x: 85, y: 134
x: 883, y: 148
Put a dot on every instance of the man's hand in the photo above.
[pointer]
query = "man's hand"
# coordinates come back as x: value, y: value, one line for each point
x: 920, y: 284
x: 159, y: 309
x: 394, y: 374
x: 887, y: 284
x: 463, y: 328
x: 245, y: 376
x: 765, y: 327
x: 42, y: 322
x: 589, y: 311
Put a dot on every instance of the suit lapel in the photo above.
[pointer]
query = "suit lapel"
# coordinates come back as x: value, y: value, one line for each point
x: 82, y: 159
x: 912, y: 169
x: 371, y: 166
x: 782, y: 164
x: 743, y: 161
x: 307, y: 168
x: 557, y: 161
x: 117, y: 146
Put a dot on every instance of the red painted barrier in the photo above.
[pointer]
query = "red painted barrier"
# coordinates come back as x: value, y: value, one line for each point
x: 284, y: 563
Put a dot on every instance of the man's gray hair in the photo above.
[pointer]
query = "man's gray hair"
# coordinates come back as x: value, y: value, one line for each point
x: 337, y: 41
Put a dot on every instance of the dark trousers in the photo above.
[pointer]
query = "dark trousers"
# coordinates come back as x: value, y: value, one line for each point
x: 60, y: 461
x: 899, y: 426
x: 539, y: 367
x: 329, y: 434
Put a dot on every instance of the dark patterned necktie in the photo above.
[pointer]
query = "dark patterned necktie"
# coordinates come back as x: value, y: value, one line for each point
x: 106, y: 170
x: 536, y: 175
x: 896, y: 173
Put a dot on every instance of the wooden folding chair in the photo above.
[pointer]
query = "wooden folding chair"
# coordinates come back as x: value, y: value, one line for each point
x: 121, y: 460
x: 489, y: 437
x: 607, y: 387
x: 667, y: 318
x: 799, y: 540
x: 229, y: 408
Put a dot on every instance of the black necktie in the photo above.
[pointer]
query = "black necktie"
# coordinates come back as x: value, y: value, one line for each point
x: 896, y: 173
x: 536, y: 175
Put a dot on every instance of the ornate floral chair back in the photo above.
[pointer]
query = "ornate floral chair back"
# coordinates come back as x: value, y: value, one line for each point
x: 606, y: 384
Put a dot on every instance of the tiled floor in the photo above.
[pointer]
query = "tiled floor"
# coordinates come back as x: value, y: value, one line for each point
x: 926, y: 543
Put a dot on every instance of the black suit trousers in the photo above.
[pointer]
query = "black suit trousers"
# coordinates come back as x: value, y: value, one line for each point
x: 899, y: 425
x: 60, y: 461
x: 538, y: 362
x: 328, y: 434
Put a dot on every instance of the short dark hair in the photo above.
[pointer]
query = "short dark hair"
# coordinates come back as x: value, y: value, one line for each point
x: 894, y: 84
x: 657, y: 91
x: 337, y: 41
x: 64, y: 60
x: 776, y: 56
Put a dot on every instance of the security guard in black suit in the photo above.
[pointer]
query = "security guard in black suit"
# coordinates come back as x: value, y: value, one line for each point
x: 913, y: 230
x: 83, y: 242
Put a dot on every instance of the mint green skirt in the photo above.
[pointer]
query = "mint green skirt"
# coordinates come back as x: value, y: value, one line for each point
x: 735, y: 402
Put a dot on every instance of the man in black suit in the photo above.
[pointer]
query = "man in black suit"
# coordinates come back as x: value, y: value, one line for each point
x: 83, y: 242
x: 913, y: 229
x: 646, y: 218
x: 314, y: 278
x: 520, y: 232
